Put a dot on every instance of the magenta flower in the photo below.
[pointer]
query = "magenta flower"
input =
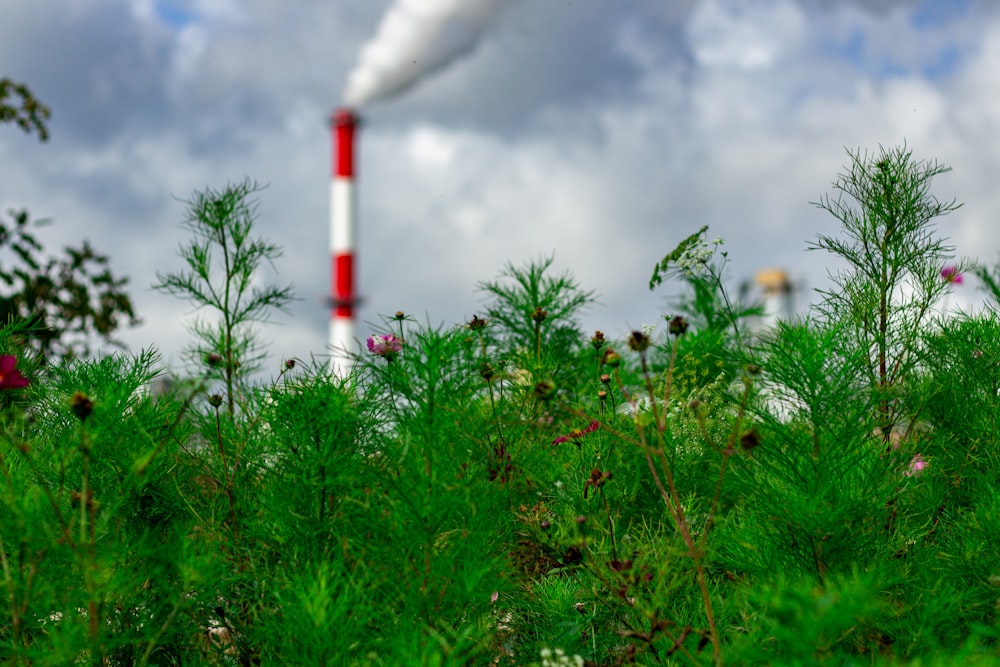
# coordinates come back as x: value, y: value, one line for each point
x: 576, y: 434
x: 10, y: 377
x: 385, y: 346
x: 950, y: 274
x: 917, y: 465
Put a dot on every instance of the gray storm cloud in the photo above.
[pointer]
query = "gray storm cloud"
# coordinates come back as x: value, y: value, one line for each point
x: 415, y: 38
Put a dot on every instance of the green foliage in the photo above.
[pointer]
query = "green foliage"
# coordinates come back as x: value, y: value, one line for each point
x: 223, y: 260
x: 510, y: 492
x: 536, y: 310
x: 64, y: 300
x: 29, y: 114
x: 895, y: 261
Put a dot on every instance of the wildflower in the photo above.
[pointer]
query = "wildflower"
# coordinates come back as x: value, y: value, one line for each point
x: 215, y: 400
x: 539, y: 315
x: 10, y: 377
x: 576, y: 434
x: 385, y: 346
x: 399, y: 316
x: 917, y: 465
x: 289, y: 364
x: 597, y: 340
x: 951, y: 275
x: 596, y: 480
x: 476, y: 323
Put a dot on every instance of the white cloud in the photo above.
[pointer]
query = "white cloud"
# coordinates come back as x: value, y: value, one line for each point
x: 603, y: 134
x: 745, y: 36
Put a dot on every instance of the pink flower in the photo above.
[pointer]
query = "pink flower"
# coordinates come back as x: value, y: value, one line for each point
x: 10, y: 377
x: 576, y: 434
x: 950, y: 274
x: 385, y: 346
x: 917, y: 465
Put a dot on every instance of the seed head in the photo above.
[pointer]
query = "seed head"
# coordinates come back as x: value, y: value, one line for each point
x: 215, y: 400
x: 749, y: 440
x: 639, y: 341
x: 539, y: 315
x: 81, y: 405
x: 678, y: 326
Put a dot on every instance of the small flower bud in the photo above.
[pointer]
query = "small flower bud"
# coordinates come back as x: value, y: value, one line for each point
x: 399, y: 316
x: 544, y: 524
x: 580, y: 519
x: 605, y: 378
x: 602, y: 395
x: 597, y: 340
x: 486, y: 371
x: 81, y: 405
x: 476, y: 323
x: 539, y: 315
x: 545, y: 390
x: 213, y: 360
x: 611, y: 359
x: 215, y: 400
x: 678, y: 326
x: 752, y: 369
x: 289, y: 364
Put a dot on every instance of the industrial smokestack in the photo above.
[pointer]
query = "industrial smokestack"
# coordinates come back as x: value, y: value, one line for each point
x: 342, y: 235
x: 415, y: 38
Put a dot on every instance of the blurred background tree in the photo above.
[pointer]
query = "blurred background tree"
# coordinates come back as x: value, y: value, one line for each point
x: 66, y: 300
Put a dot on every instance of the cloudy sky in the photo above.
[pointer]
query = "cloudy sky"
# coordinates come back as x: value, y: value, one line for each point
x: 602, y: 131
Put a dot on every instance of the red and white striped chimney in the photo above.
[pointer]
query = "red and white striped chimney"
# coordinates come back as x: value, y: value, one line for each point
x: 342, y: 235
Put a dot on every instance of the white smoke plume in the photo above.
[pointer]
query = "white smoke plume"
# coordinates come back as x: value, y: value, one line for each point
x: 415, y: 38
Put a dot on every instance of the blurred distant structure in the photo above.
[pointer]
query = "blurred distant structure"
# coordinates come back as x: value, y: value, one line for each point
x: 771, y: 288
